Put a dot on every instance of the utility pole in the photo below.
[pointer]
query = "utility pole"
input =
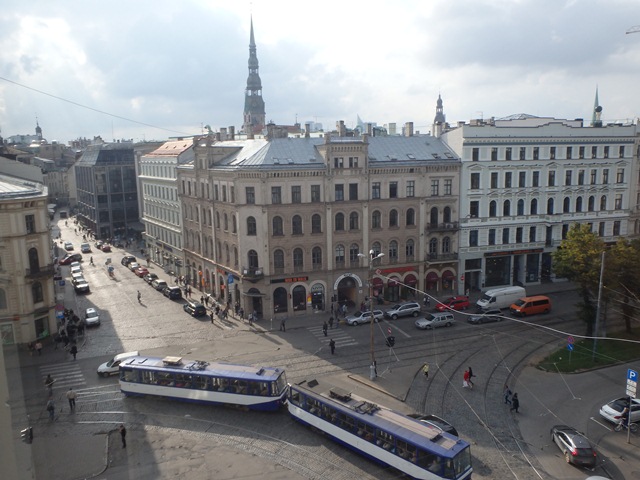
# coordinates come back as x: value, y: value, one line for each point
x: 595, y: 333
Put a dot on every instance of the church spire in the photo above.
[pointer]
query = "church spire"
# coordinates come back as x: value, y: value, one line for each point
x: 254, y: 113
x: 440, y: 120
x: 597, y: 112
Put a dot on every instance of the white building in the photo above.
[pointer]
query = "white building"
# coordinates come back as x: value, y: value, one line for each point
x: 525, y: 180
x: 162, y: 215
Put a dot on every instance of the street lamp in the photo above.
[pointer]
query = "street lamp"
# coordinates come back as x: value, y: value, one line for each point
x: 372, y: 256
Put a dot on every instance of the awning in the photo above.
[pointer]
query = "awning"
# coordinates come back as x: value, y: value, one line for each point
x: 376, y: 282
x: 410, y: 280
x: 254, y: 294
x: 393, y: 281
x: 448, y: 275
x: 432, y: 277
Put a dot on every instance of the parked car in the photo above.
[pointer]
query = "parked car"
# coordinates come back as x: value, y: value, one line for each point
x: 91, y: 317
x: 574, y: 445
x: 159, y: 284
x: 127, y: 259
x: 99, y: 244
x: 403, y: 310
x: 133, y: 266
x: 493, y: 315
x: 612, y: 411
x: 112, y: 367
x: 359, y: 318
x: 85, y: 248
x: 74, y: 257
x: 105, y: 248
x: 76, y: 277
x: 141, y: 271
x: 68, y: 246
x: 453, y: 303
x: 435, y: 320
x: 531, y: 306
x: 75, y: 264
x: 195, y: 309
x: 174, y: 293
x: 437, y: 422
x: 150, y: 277
x: 81, y: 286
x: 76, y: 270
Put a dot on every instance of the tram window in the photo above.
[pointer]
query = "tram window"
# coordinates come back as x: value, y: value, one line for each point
x: 264, y: 388
x: 405, y: 450
x: 182, y: 380
x: 242, y: 387
x: 128, y: 376
x: 148, y: 378
x: 165, y: 379
x: 215, y: 384
x: 295, y: 397
x: 448, y: 469
x: 200, y: 382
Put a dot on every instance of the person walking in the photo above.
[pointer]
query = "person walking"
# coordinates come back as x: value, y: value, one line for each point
x: 507, y: 394
x: 250, y: 319
x: 325, y: 327
x: 211, y: 315
x: 90, y: 260
x: 139, y: 297
x: 471, y: 375
x: 425, y: 370
x: 515, y: 403
x: 38, y: 347
x: 48, y: 382
x: 71, y: 396
x: 344, y: 310
x: 283, y: 325
x: 74, y: 351
x: 465, y: 380
x: 51, y: 408
x: 202, y: 299
x: 332, y: 346
x: 123, y: 435
x: 331, y: 321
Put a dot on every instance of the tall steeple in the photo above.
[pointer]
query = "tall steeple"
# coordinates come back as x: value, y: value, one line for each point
x: 254, y: 113
x: 439, y: 120
x: 597, y: 112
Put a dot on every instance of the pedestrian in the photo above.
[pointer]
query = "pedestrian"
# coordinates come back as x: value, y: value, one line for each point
x: 507, y: 394
x: 139, y: 297
x: 332, y: 308
x: 71, y: 396
x: 51, y: 408
x: 465, y: 380
x: 189, y: 291
x: 283, y: 326
x: 471, y: 375
x: 331, y: 321
x: 426, y: 301
x: 325, y: 328
x: 250, y: 319
x: 38, y: 347
x: 211, y: 315
x: 74, y: 351
x: 425, y: 370
x: 515, y: 403
x: 123, y: 435
x: 241, y: 312
x: 332, y: 346
x: 48, y: 382
x: 90, y: 260
x: 344, y: 310
x: 202, y: 299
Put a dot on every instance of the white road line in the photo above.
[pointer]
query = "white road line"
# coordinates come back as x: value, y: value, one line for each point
x: 398, y: 329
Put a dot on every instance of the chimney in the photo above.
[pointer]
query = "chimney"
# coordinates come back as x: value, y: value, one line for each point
x: 223, y: 133
x: 232, y: 132
x: 408, y: 129
x: 369, y: 129
x: 342, y: 131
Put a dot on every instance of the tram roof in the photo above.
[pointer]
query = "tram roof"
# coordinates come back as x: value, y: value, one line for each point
x: 198, y: 367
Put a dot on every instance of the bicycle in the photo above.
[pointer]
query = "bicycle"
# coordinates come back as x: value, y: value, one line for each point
x: 622, y: 425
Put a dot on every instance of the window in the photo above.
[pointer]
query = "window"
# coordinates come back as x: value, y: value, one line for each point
x: 215, y: 192
x: 409, y: 250
x: 393, y: 189
x: 375, y: 190
x: 410, y: 217
x: 506, y: 208
x: 601, y: 229
x: 278, y: 261
x: 581, y: 153
x: 536, y: 152
x: 552, y: 153
x: 433, y: 247
x: 492, y: 236
x: 435, y: 186
x: 3, y: 299
x: 606, y: 151
x: 376, y: 219
x: 338, y: 162
x: 448, y: 186
x: 393, y: 218
x: 566, y: 205
x: 474, y: 208
x: 353, y: 221
x: 316, y: 223
x: 522, y: 179
x: 523, y: 153
x: 494, y: 179
x: 446, y: 215
x: 353, y: 191
x: 340, y: 254
x: 579, y: 204
x: 520, y: 207
x: 224, y: 193
x: 446, y: 245
x: 569, y: 153
x: 519, y: 235
x: 298, y: 260
x: 376, y: 249
x: 473, y: 238
x: 593, y: 176
x: 316, y: 258
x: 251, y: 226
x: 618, y: 202
x: 616, y: 227
x: 620, y: 175
x: 580, y: 177
x: 339, y: 193
x: 315, y: 193
x: 339, y: 222
x: 296, y: 194
x: 605, y: 176
x: 594, y: 152
x: 296, y: 225
x: 532, y: 234
x: 36, y: 292
x: 621, y: 151
x: 494, y: 154
x: 30, y: 223
x: 411, y: 188
x: 591, y: 204
x: 535, y: 179
x: 393, y: 250
x: 475, y: 181
x: 226, y: 222
x: 278, y: 231
x: 508, y: 153
x: 550, y: 206
x: 505, y: 236
x: 533, y: 209
x: 232, y: 194
x: 507, y: 180
x: 354, y: 250
x: 567, y: 177
x: 552, y: 178
x: 276, y: 195
x: 493, y: 208
x: 353, y: 162
x: 475, y: 154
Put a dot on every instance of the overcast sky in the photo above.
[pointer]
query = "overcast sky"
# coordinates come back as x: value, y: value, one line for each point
x: 179, y: 65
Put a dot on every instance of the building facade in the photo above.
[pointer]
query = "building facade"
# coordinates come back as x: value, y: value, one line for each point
x: 161, y: 212
x: 27, y: 299
x: 524, y: 181
x: 281, y: 226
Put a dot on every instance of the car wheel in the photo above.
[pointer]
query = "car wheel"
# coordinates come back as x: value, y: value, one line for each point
x: 546, y: 311
x: 567, y: 457
x: 428, y: 327
x: 448, y: 324
x: 394, y: 317
x: 415, y: 314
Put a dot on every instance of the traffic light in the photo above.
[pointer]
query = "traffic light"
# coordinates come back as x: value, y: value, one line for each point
x: 27, y: 435
x: 391, y: 341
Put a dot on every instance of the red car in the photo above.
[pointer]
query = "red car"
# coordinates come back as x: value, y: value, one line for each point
x: 141, y: 272
x: 74, y: 257
x: 106, y: 248
x: 454, y: 303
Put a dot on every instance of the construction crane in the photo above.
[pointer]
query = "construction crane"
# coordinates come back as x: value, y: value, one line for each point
x: 635, y: 29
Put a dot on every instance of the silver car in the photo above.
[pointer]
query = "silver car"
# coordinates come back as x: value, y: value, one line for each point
x: 493, y: 315
x: 435, y: 320
x: 91, y: 317
x: 359, y: 318
x: 403, y: 310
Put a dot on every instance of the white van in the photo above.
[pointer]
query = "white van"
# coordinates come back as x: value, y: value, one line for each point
x: 500, y: 297
x: 113, y: 366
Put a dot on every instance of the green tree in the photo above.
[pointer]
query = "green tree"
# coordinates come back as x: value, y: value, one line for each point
x: 623, y: 262
x: 578, y: 259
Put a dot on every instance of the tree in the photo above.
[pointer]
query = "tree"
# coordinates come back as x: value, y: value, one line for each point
x: 624, y: 261
x: 578, y: 258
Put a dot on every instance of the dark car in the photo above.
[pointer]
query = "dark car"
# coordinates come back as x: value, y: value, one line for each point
x: 437, y: 422
x: 194, y: 309
x: 105, y: 248
x: 174, y: 293
x: 493, y: 315
x: 69, y: 259
x: 127, y: 259
x: 576, y: 448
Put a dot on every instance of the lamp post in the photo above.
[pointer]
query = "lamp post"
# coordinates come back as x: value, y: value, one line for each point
x: 372, y: 256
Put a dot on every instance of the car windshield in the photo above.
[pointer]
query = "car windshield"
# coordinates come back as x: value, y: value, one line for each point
x: 519, y: 303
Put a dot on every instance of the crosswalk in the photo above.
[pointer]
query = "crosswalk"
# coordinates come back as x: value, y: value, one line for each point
x: 65, y: 375
x: 339, y: 335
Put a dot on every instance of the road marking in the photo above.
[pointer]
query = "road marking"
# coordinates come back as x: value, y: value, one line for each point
x: 398, y: 329
x: 602, y: 424
x: 64, y: 374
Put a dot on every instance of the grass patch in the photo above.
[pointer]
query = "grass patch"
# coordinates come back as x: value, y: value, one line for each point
x: 608, y: 352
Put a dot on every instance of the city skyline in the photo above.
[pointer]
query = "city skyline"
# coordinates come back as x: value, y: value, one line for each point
x: 174, y: 70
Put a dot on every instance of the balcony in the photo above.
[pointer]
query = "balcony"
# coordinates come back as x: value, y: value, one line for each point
x: 44, y: 271
x: 443, y: 227
x: 441, y: 257
x: 252, y: 274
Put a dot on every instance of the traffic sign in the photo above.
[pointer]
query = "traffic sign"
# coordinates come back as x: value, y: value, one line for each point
x: 570, y: 347
x: 570, y: 339
x: 632, y: 383
x: 389, y: 330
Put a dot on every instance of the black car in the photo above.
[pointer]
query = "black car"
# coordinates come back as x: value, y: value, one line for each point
x: 437, y: 422
x: 127, y: 259
x: 174, y: 293
x: 576, y: 448
x: 194, y: 309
